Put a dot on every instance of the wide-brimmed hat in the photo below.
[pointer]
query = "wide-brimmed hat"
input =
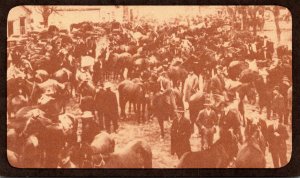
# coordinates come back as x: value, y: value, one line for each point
x: 179, y: 110
x: 87, y: 114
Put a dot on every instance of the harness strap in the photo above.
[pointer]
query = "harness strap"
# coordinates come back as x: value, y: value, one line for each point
x: 101, y: 164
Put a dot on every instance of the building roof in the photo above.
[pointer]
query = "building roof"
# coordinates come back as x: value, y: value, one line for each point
x: 17, y: 12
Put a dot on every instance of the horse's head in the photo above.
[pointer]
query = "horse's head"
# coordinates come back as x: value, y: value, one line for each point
x: 103, y: 143
x: 230, y: 142
x: 35, y: 124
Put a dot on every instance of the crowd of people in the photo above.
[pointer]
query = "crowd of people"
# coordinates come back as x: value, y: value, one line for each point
x: 204, y: 71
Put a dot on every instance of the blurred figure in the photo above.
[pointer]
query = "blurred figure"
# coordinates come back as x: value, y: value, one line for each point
x: 180, y: 134
x: 99, y: 105
x: 276, y: 136
x: 206, y: 121
x: 283, y: 88
x: 110, y: 108
x: 278, y: 105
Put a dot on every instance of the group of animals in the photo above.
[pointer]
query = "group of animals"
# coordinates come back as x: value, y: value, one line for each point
x: 32, y: 138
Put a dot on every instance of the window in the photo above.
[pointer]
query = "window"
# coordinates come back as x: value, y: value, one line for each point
x: 10, y: 28
x: 22, y: 25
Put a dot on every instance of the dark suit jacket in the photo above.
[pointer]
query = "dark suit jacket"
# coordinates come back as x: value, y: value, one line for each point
x: 180, y: 134
x: 277, y: 143
x: 99, y: 100
x: 208, y: 121
x: 278, y: 103
x: 111, y: 104
x: 230, y: 120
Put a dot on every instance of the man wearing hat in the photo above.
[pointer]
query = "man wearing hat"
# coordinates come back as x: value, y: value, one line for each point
x: 276, y: 136
x: 264, y: 92
x: 110, y: 109
x: 283, y: 89
x: 88, y: 127
x: 278, y: 104
x: 206, y: 121
x: 217, y: 85
x: 99, y: 105
x: 230, y: 119
x: 180, y: 134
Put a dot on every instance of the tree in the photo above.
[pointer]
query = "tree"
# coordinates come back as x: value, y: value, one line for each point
x: 249, y: 16
x: 276, y: 12
x: 46, y: 11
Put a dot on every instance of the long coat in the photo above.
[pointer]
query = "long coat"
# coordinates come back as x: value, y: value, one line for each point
x: 278, y: 104
x: 180, y: 136
x: 263, y: 90
x: 277, y: 144
x: 99, y: 100
x: 231, y: 120
x: 111, y: 103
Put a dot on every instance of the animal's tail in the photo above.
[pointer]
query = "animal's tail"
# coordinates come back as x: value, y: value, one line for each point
x: 146, y: 154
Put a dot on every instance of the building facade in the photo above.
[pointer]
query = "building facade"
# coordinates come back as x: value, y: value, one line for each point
x: 19, y: 21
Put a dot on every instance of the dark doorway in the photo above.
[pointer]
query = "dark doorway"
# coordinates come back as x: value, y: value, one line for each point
x: 10, y: 28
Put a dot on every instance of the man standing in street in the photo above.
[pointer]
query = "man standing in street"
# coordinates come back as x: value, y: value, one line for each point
x: 276, y: 136
x: 278, y: 105
x: 110, y: 108
x: 180, y: 134
x: 99, y: 105
x: 206, y: 121
x: 283, y: 89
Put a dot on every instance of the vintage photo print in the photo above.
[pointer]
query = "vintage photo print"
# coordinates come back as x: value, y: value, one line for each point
x: 149, y: 86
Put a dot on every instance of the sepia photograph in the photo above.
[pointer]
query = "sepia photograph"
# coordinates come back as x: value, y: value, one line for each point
x: 193, y: 86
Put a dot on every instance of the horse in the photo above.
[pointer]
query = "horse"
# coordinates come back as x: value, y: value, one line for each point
x: 75, y: 155
x: 15, y: 103
x: 219, y: 155
x: 136, y: 154
x: 47, y: 133
x: 28, y: 154
x: 252, y: 152
x: 164, y: 105
x: 65, y: 76
x: 122, y: 61
x: 133, y: 92
x: 86, y: 88
x: 177, y: 74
